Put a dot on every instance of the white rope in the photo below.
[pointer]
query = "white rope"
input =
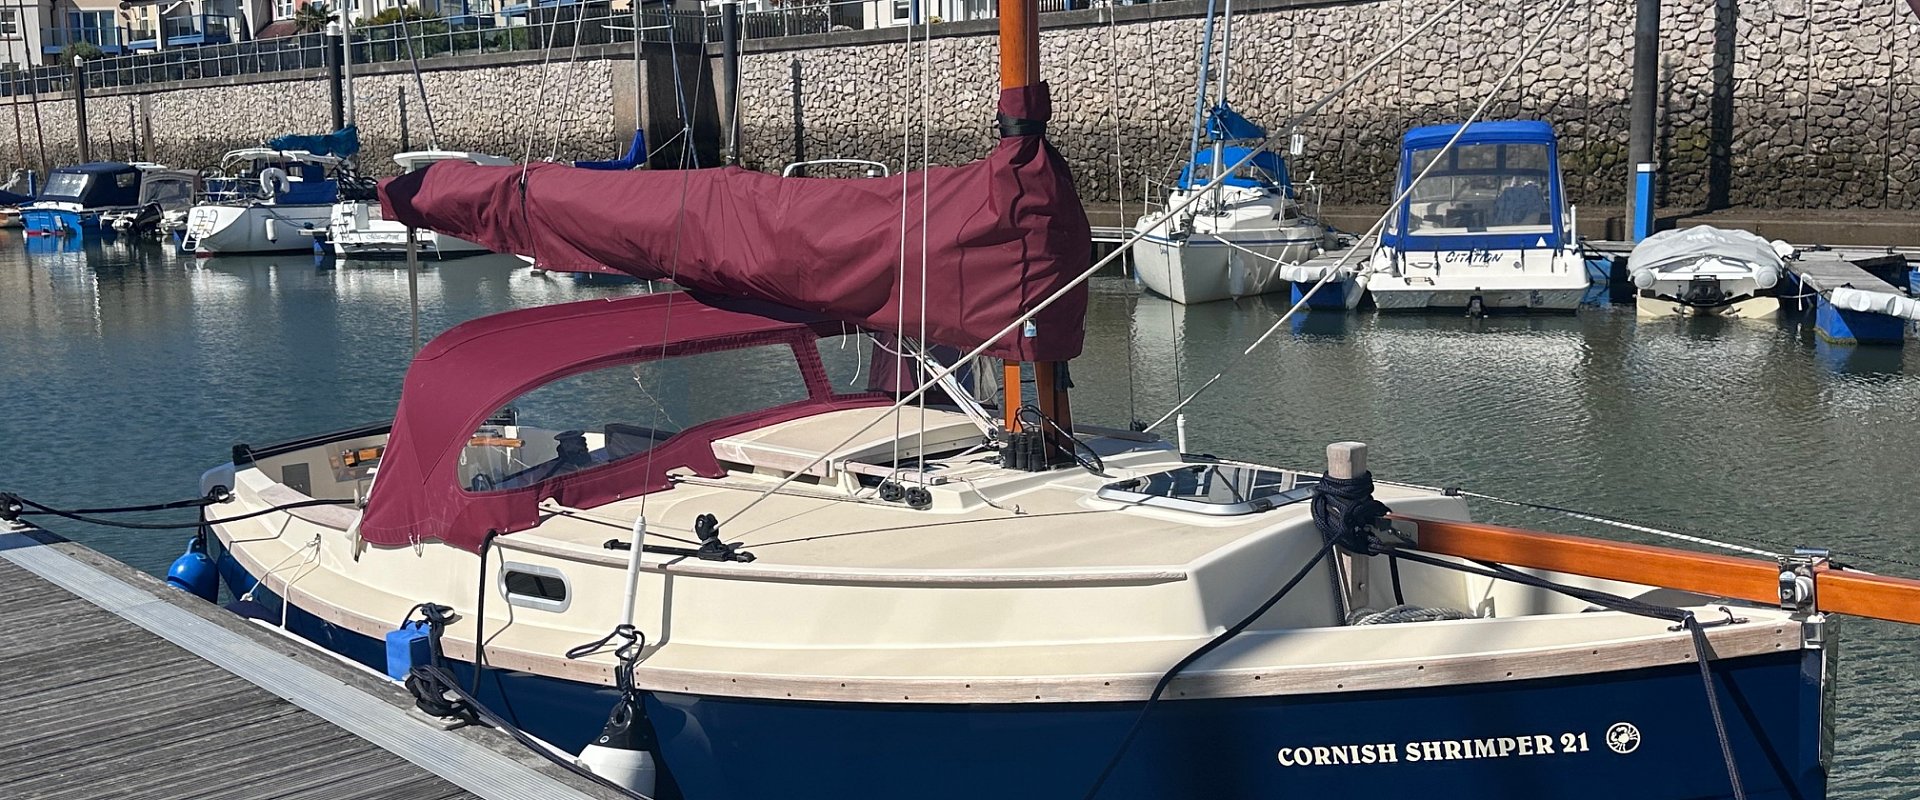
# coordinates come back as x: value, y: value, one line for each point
x: 565, y: 107
x: 900, y: 281
x: 1089, y: 272
x: 926, y: 164
x: 1559, y: 10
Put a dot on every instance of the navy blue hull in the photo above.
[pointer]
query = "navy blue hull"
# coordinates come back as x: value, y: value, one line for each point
x: 1641, y: 734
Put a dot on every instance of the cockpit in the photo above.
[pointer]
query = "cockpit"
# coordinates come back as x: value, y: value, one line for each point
x: 1481, y: 188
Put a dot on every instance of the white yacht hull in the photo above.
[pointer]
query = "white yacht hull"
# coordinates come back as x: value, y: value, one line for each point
x: 1203, y: 268
x: 259, y: 228
x: 1543, y: 281
x: 357, y: 231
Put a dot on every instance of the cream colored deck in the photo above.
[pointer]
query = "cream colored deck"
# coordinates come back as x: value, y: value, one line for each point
x: 1012, y: 587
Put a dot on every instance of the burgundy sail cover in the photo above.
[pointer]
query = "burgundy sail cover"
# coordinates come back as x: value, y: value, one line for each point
x: 1001, y: 235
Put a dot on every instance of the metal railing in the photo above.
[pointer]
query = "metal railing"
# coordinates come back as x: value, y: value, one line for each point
x: 804, y: 17
x: 561, y: 27
x: 371, y: 44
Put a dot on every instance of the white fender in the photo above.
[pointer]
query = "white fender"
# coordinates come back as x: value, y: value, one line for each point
x: 273, y: 230
x: 633, y: 769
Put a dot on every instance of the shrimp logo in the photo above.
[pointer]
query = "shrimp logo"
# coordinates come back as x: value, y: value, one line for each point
x: 1623, y: 738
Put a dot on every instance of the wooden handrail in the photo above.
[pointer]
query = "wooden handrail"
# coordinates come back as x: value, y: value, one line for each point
x: 1840, y: 592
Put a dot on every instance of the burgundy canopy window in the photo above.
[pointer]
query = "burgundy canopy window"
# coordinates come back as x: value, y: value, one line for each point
x: 425, y: 491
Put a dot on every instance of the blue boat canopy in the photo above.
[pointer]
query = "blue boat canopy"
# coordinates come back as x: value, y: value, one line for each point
x: 1226, y: 125
x: 1492, y: 131
x: 636, y: 155
x: 1266, y: 170
x: 341, y: 143
x: 1497, y: 188
x: 101, y: 184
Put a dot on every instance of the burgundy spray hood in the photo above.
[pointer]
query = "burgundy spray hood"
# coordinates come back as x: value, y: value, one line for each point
x: 1001, y: 234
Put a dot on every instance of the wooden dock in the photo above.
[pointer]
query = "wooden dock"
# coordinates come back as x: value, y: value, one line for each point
x: 113, y: 684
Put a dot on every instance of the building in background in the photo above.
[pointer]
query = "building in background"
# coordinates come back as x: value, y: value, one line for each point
x: 21, y: 26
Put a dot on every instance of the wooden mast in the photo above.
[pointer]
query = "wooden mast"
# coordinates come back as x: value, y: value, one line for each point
x: 1020, y: 68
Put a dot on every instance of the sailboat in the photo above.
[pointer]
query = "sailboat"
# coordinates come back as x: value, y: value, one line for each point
x: 774, y: 585
x: 1244, y: 230
x: 269, y: 200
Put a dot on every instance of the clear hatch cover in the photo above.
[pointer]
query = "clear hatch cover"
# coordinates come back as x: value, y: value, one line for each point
x: 1214, y: 489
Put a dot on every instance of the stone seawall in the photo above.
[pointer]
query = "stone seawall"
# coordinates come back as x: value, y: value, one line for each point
x: 1764, y: 103
x: 488, y: 109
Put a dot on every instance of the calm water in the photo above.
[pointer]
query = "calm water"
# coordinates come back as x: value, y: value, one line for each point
x: 125, y: 371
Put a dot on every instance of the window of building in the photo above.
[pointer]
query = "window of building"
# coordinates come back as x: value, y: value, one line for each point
x: 9, y: 24
x: 283, y: 9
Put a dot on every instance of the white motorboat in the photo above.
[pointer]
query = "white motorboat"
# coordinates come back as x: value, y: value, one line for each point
x: 267, y: 201
x: 356, y: 229
x: 1488, y: 227
x: 1709, y: 271
x: 1235, y: 239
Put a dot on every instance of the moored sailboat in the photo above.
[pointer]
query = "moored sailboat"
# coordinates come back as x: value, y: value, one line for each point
x: 357, y: 229
x: 807, y: 590
x: 1214, y: 240
x: 272, y: 200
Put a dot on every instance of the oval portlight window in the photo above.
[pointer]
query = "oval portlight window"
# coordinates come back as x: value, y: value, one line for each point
x: 534, y: 586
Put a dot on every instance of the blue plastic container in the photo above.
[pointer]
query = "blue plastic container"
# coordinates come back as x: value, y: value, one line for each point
x: 407, y: 648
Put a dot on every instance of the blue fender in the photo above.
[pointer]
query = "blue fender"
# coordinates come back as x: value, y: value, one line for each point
x: 193, y: 572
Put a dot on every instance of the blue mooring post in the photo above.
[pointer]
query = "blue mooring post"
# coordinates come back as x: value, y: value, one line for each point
x: 1641, y: 116
x: 1642, y: 201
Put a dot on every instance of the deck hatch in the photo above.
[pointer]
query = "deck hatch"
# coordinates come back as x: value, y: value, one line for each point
x: 1215, y: 489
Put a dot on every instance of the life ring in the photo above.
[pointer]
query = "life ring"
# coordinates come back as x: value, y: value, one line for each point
x: 274, y: 182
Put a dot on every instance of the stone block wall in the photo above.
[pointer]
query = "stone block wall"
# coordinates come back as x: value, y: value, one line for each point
x: 490, y: 109
x: 1764, y: 103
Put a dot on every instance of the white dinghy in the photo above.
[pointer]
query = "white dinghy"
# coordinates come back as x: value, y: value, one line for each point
x: 1708, y: 271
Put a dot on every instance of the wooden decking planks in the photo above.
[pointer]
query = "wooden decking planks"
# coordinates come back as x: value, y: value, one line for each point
x: 1827, y: 271
x: 96, y: 701
x: 93, y: 706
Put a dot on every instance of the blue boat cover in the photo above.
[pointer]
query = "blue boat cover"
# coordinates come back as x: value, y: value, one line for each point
x: 13, y: 199
x: 341, y: 143
x: 1226, y: 125
x: 1522, y: 200
x: 1266, y: 169
x: 101, y: 184
x: 1520, y: 131
x: 636, y: 154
